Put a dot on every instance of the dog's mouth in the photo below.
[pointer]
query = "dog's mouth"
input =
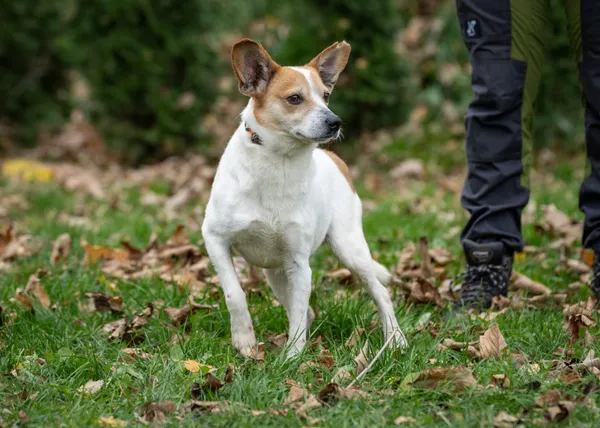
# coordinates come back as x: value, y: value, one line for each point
x: 319, y: 140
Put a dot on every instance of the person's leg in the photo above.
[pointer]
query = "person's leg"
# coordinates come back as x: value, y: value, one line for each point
x: 584, y: 31
x: 505, y: 42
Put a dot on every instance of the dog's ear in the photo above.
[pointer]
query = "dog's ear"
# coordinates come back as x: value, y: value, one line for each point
x: 253, y: 66
x: 331, y: 62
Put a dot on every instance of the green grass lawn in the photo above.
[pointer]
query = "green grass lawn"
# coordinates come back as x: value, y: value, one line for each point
x: 51, y: 353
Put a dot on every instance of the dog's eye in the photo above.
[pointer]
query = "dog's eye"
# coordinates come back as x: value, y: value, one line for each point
x: 326, y: 96
x: 294, y: 99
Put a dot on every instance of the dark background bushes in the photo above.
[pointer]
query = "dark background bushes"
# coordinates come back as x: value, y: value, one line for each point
x: 148, y: 73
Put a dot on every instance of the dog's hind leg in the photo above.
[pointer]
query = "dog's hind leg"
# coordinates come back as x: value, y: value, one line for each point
x: 348, y: 242
x: 278, y: 282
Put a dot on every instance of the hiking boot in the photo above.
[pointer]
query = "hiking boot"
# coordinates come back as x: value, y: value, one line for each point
x: 487, y: 274
x: 595, y: 284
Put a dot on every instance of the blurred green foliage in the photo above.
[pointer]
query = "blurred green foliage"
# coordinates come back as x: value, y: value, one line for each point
x: 147, y: 72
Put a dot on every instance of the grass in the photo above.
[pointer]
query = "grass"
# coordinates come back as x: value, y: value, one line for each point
x: 75, y: 349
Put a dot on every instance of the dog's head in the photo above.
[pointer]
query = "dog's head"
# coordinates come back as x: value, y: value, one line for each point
x: 291, y: 100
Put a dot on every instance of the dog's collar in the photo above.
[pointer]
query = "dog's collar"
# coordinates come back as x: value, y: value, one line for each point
x: 253, y: 136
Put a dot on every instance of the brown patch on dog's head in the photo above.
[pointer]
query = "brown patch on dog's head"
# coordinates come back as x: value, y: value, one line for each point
x: 343, y: 167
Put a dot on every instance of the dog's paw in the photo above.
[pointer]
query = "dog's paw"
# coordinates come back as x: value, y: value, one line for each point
x: 244, y: 342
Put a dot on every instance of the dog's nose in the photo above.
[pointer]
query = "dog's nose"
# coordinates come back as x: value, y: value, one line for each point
x: 333, y: 122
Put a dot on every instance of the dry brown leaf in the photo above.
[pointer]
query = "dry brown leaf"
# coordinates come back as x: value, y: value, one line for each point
x: 551, y: 397
x: 326, y: 359
x: 472, y: 348
x: 61, y: 248
x: 211, y: 383
x: 458, y: 378
x: 136, y: 353
x: 34, y: 288
x: 94, y: 254
x: 522, y: 282
x: 278, y: 340
x: 559, y: 413
x: 179, y: 315
x: 229, y: 374
x: 406, y: 259
x: 100, y: 302
x: 361, y: 359
x: 204, y: 406
x: 5, y: 238
x: 426, y: 268
x: 422, y: 291
x: 500, y: 380
x: 157, y: 412
x: 340, y: 375
x: 343, y: 276
x: 408, y: 169
x: 577, y: 266
x: 504, y: 420
x: 492, y: 343
x: 440, y: 256
x: 258, y: 352
x: 332, y: 392
x: 574, y: 323
x: 353, y: 339
x: 500, y: 302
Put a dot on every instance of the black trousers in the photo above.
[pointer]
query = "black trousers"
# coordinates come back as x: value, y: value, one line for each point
x: 505, y: 43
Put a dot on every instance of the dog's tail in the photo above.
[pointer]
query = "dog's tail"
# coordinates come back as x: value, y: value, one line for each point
x: 382, y: 273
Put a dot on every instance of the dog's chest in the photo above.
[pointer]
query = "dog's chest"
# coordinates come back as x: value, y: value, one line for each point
x: 262, y: 243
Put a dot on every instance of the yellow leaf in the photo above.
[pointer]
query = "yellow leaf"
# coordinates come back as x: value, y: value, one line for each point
x: 111, y: 421
x: 587, y: 256
x: 28, y: 170
x: 520, y: 256
x: 191, y: 365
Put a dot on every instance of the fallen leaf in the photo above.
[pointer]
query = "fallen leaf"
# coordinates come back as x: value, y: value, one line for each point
x: 408, y: 169
x: 61, y: 248
x: 404, y: 420
x: 211, y: 383
x: 426, y: 268
x: 258, y: 353
x: 192, y: 366
x: 361, y: 359
x: 577, y: 266
x: 100, y: 302
x: 521, y: 282
x: 204, y: 406
x: 326, y: 359
x: 21, y: 297
x: 343, y: 276
x: 136, y: 353
x: 34, y: 288
x: 551, y: 397
x: 111, y: 421
x: 94, y: 254
x: 574, y: 323
x: 406, y: 259
x: 91, y: 387
x: 457, y: 377
x: 559, y: 413
x: 229, y: 374
x: 332, y: 392
x: 500, y: 380
x: 491, y: 343
x: 179, y: 315
x: 440, y: 256
x: 504, y: 420
x: 278, y: 340
x: 340, y: 375
x: 157, y: 412
x: 353, y: 339
x: 422, y: 291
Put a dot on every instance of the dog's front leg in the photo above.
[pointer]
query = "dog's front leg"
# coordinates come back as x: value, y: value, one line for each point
x: 242, y: 332
x: 299, y: 277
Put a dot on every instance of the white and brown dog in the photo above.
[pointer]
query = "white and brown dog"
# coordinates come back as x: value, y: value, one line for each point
x: 276, y: 197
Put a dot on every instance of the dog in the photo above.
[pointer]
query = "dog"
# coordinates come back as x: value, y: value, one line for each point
x: 276, y: 197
